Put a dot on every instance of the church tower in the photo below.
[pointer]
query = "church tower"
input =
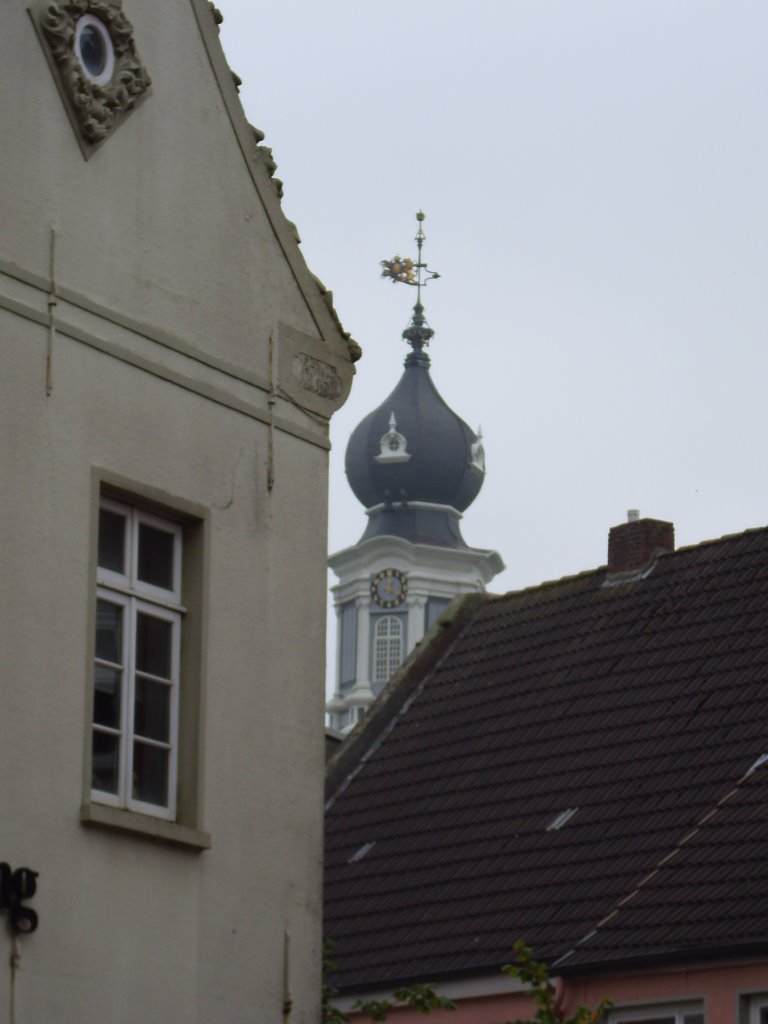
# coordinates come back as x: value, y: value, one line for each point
x: 416, y: 467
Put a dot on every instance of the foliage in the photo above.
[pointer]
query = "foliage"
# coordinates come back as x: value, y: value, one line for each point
x: 424, y: 999
x: 536, y: 974
x: 421, y: 997
x: 330, y: 1015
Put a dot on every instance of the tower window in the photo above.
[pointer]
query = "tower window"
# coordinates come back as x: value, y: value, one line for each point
x: 387, y: 648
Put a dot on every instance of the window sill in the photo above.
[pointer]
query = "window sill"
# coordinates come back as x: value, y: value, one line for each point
x: 143, y: 824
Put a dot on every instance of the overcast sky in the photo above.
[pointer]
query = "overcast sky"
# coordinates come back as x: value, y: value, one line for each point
x: 595, y: 179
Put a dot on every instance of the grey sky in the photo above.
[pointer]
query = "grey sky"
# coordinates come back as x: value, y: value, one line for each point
x: 595, y: 181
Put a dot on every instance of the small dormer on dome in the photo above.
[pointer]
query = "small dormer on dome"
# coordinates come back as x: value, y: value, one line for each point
x: 477, y: 453
x: 393, y: 446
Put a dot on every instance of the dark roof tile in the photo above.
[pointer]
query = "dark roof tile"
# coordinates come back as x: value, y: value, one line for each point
x: 641, y: 704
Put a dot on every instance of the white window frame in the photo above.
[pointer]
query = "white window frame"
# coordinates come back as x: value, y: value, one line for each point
x: 758, y: 1003
x: 678, y: 1011
x: 135, y: 596
x: 388, y: 668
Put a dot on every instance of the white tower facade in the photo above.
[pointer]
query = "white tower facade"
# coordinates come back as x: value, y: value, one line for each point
x: 389, y: 593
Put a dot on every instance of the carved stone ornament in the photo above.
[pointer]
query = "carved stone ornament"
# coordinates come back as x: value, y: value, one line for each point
x: 310, y: 373
x: 318, y: 377
x: 97, y: 107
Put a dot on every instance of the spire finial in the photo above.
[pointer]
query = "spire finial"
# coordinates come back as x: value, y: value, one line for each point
x: 418, y: 275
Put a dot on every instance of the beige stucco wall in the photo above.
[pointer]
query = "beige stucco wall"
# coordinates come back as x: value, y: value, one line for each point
x: 168, y: 226
x: 171, y: 275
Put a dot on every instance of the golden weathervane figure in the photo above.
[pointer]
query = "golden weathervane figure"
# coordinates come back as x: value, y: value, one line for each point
x: 417, y: 274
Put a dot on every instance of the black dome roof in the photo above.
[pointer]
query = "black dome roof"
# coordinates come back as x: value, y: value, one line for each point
x: 442, y: 467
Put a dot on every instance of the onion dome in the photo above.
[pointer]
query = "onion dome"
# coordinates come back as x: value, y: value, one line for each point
x: 412, y: 462
x: 414, y: 447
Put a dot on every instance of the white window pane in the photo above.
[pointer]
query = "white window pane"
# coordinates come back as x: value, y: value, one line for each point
x: 106, y: 760
x: 111, y: 541
x: 138, y: 627
x: 106, y: 696
x: 387, y: 647
x: 153, y: 645
x: 155, y: 556
x: 152, y: 711
x: 109, y: 632
x: 150, y: 774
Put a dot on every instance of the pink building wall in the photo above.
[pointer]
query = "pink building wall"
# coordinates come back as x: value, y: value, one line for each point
x: 719, y: 987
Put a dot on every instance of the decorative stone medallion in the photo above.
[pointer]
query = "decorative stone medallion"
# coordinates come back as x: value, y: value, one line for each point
x: 101, y: 75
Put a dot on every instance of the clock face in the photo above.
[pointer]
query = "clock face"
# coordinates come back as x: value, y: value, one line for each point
x: 389, y: 588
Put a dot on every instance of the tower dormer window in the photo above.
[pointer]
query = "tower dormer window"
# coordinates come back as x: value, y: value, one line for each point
x: 393, y: 446
x: 477, y: 452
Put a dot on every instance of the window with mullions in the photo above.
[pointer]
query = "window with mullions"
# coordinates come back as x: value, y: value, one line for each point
x: 136, y: 675
x: 388, y: 647
x: 680, y: 1013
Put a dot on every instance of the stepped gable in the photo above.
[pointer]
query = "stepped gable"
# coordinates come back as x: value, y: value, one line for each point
x: 581, y: 769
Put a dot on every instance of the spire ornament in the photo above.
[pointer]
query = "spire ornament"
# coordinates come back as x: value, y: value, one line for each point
x: 417, y: 274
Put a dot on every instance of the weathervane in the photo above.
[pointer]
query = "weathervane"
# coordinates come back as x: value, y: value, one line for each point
x: 418, y: 275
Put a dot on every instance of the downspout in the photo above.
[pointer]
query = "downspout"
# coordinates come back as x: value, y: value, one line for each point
x: 287, y: 998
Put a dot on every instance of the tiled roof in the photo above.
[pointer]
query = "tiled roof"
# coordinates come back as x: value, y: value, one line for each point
x: 644, y: 705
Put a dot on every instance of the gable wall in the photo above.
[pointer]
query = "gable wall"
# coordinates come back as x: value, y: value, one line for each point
x: 159, y: 384
x: 162, y: 222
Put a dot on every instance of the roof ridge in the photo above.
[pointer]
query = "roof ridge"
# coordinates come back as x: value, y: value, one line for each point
x: 548, y: 583
x: 718, y: 540
x: 684, y: 550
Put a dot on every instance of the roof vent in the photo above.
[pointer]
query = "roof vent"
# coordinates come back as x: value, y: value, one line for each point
x: 359, y: 854
x: 636, y: 543
x: 560, y: 819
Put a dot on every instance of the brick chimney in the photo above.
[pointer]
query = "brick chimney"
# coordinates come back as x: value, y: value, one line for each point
x: 637, y: 542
